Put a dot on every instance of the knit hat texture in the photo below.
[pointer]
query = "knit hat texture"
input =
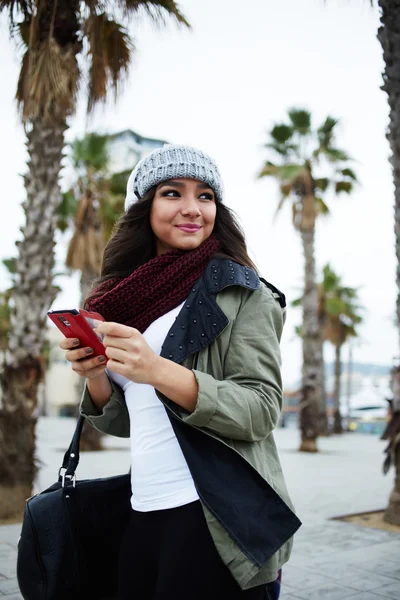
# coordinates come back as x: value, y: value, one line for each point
x: 172, y: 162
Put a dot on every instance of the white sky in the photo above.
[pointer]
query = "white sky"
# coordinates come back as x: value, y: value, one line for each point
x: 221, y: 87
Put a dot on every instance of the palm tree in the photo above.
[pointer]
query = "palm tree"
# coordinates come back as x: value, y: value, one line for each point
x: 94, y: 202
x: 57, y: 36
x: 301, y: 150
x: 92, y: 206
x: 340, y: 307
x: 392, y: 433
x: 389, y: 37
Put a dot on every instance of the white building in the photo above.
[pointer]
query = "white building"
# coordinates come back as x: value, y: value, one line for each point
x: 127, y: 148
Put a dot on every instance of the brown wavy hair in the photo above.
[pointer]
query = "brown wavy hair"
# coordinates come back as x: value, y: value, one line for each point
x: 132, y: 242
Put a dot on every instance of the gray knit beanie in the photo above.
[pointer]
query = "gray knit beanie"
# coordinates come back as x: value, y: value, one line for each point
x: 172, y: 162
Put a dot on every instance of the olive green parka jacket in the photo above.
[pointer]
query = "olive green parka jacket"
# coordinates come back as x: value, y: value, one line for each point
x: 228, y: 333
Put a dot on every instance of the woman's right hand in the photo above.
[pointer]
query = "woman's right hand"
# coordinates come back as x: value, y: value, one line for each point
x: 81, y: 361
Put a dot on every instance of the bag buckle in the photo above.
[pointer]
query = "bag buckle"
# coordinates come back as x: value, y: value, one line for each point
x: 64, y: 477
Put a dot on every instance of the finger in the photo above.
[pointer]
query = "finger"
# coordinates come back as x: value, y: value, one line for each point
x: 116, y: 354
x: 79, y: 354
x: 89, y: 374
x: 96, y: 322
x: 117, y: 367
x: 116, y: 342
x: 68, y: 343
x: 89, y: 363
x: 116, y: 329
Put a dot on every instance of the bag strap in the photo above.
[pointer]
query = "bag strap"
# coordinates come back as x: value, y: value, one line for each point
x: 71, y: 457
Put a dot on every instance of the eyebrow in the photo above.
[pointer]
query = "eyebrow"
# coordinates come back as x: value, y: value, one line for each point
x: 176, y: 183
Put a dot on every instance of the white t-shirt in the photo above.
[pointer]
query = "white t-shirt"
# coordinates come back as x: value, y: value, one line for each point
x: 160, y: 476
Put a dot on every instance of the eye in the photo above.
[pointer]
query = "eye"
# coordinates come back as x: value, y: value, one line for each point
x: 207, y: 196
x: 171, y: 194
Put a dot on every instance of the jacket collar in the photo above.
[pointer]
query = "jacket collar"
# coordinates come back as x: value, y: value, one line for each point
x: 201, y: 320
x: 221, y: 273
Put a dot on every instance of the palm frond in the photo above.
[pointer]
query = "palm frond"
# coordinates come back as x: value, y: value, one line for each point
x: 23, y: 29
x: 341, y: 308
x: 297, y: 302
x: 325, y: 133
x: 17, y: 7
x: 322, y: 208
x: 301, y: 120
x: 10, y: 264
x: 287, y: 172
x: 118, y: 182
x: 343, y: 187
x: 349, y: 173
x: 322, y: 183
x: 335, y: 155
x: 66, y: 210
x: 48, y: 81
x: 158, y: 10
x: 279, y: 207
x: 281, y: 133
x: 91, y: 151
x: 110, y: 51
x: 283, y: 150
x: 287, y: 188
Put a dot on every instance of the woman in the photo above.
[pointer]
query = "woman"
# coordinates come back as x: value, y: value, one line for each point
x: 192, y: 376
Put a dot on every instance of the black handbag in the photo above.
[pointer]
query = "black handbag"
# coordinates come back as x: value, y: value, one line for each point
x: 71, y: 535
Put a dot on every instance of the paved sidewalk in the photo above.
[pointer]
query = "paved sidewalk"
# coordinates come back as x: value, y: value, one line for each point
x: 331, y: 560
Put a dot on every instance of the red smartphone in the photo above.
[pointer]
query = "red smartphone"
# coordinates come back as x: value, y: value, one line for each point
x: 79, y: 324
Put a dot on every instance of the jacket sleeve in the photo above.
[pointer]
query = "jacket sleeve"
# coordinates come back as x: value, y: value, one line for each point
x: 247, y: 403
x: 114, y: 418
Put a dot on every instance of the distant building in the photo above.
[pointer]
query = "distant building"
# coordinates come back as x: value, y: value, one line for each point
x: 127, y: 147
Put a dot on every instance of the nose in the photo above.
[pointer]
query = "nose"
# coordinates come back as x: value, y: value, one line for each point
x: 190, y: 207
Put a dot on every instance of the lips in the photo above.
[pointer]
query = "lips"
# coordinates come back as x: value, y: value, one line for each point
x: 189, y: 227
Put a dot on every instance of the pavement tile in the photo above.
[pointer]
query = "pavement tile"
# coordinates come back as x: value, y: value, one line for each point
x: 9, y: 586
x: 311, y: 550
x: 369, y: 596
x: 298, y: 579
x: 367, y: 581
x: 9, y: 534
x: 391, y: 549
x: 328, y: 591
x: 389, y: 590
x: 378, y: 565
x: 8, y: 568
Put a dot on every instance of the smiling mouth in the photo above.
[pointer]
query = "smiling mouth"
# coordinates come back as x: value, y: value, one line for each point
x: 189, y: 228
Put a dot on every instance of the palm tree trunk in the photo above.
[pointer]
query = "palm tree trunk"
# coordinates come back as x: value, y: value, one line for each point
x: 34, y: 293
x: 310, y: 404
x: 392, y: 513
x: 337, y: 422
x: 323, y: 418
x: 389, y: 37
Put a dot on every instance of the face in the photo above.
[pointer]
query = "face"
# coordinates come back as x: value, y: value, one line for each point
x: 182, y: 214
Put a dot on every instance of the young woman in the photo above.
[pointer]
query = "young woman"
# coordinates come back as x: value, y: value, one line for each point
x: 192, y: 376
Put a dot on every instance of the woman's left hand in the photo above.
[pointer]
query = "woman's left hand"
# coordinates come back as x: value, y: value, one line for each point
x: 128, y: 352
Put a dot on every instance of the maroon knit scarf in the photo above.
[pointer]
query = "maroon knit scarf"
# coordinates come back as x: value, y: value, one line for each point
x: 153, y: 289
